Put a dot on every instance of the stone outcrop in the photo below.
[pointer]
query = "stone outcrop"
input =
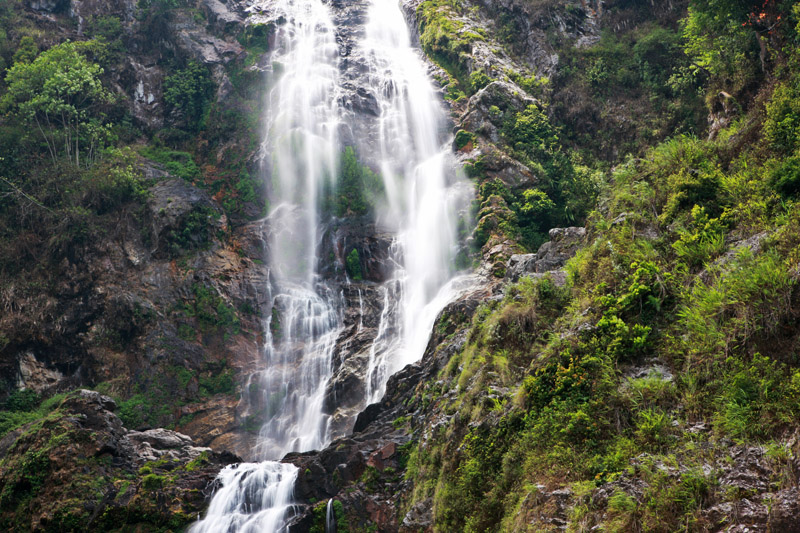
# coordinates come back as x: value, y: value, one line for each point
x: 552, y: 255
x: 81, y: 465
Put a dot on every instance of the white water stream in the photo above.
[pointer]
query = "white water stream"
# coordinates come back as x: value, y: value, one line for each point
x: 423, y: 199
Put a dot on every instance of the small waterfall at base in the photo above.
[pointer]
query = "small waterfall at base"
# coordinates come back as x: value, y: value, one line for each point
x: 330, y: 518
x: 424, y: 200
x: 254, y: 498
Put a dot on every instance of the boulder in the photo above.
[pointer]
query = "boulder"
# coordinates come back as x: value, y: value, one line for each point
x: 552, y: 255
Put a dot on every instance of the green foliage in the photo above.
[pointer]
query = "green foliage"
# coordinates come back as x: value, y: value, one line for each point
x: 748, y: 294
x: 187, y: 93
x: 218, y: 383
x: 357, y: 189
x: 478, y: 80
x: 138, y: 409
x: 785, y: 177
x: 464, y: 139
x: 22, y: 400
x: 152, y: 482
x: 535, y: 213
x: 23, y: 407
x: 26, y: 50
x: 569, y: 189
x: 719, y: 43
x: 442, y: 39
x: 178, y: 164
x: 108, y: 28
x: 703, y: 240
x: 353, y: 265
x: 194, y: 232
x: 245, y: 187
x: 657, y: 54
x: 61, y: 98
x: 32, y: 473
x: 115, y: 180
x: 782, y: 126
x: 758, y: 398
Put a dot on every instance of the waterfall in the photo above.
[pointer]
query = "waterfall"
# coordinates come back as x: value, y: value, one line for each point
x: 330, y: 518
x: 424, y: 196
x: 299, y: 158
x: 254, y: 498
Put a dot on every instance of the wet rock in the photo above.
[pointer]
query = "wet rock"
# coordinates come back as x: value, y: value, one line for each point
x: 84, y: 10
x: 655, y: 368
x: 419, y: 518
x: 160, y: 438
x: 362, y: 470
x: 170, y: 202
x: 361, y: 234
x: 146, y: 98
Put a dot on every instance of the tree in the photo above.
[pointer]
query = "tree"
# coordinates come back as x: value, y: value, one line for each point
x: 60, y: 94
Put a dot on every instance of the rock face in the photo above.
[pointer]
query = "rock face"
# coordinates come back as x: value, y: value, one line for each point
x: 80, y: 465
x: 48, y: 5
x: 552, y: 255
x: 122, y: 312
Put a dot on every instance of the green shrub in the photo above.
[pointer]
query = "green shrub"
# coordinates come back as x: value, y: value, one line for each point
x: 703, y: 240
x: 758, y: 398
x: 187, y: 93
x: 60, y: 97
x: 211, y: 311
x: 353, y: 265
x: 26, y: 50
x: 749, y: 294
x: 22, y: 400
x: 782, y: 126
x: 113, y: 181
x: 785, y: 177
x: 464, y: 139
x: 23, y: 407
x: 178, y: 164
x: 218, y: 383
x: 478, y: 80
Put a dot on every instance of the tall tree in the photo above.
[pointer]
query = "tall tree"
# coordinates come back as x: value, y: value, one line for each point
x: 61, y: 96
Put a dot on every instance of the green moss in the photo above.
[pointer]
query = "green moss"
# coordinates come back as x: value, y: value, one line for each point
x: 153, y: 482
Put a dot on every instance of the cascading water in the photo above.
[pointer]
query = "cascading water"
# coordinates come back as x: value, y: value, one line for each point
x: 300, y: 156
x: 424, y: 197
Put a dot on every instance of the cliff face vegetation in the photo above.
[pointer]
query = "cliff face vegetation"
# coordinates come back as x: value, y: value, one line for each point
x: 629, y: 362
